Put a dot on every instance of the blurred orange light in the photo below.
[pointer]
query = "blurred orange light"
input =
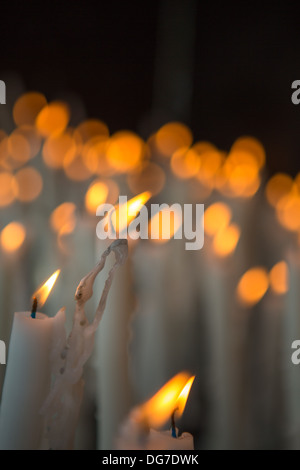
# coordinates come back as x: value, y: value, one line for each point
x: 185, y: 163
x: 147, y: 176
x: 216, y: 217
x: 279, y: 278
x: 164, y: 225
x: 12, y: 237
x: 75, y: 167
x: 28, y: 184
x: 277, y: 187
x: 253, y: 286
x: 96, y: 194
x: 90, y: 129
x: 288, y: 212
x: 225, y: 240
x: 7, y: 188
x: 58, y: 147
x: 63, y: 218
x: 125, y: 151
x: 171, y: 137
x: 27, y: 107
x: 52, y: 119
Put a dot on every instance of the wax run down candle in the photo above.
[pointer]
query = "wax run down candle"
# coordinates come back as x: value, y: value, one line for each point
x: 62, y: 406
x: 27, y: 379
x: 138, y: 433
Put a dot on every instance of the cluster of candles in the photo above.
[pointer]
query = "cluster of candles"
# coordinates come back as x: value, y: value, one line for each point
x: 53, y: 176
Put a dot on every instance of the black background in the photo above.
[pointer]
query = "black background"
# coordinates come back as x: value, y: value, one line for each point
x: 244, y: 62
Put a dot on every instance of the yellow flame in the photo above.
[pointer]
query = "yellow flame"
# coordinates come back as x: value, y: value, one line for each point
x: 156, y: 411
x: 125, y: 213
x: 183, y: 396
x: 42, y: 293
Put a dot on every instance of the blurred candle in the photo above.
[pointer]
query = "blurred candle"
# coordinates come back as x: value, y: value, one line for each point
x: 111, y: 358
x: 27, y: 378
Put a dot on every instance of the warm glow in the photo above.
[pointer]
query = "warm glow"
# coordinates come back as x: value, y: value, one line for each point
x: 185, y: 163
x: 125, y: 213
x: 95, y: 195
x: 279, y: 278
x: 27, y: 107
x: 148, y: 176
x: 94, y: 156
x: 125, y: 151
x: 52, y: 119
x: 252, y: 286
x: 225, y: 241
x: 216, y: 217
x: 28, y: 184
x: 164, y: 225
x: 249, y: 147
x: 63, y: 218
x: 58, y: 147
x: 18, y: 147
x: 171, y: 137
x: 90, y: 129
x: 42, y: 293
x: 158, y: 410
x: 183, y: 396
x: 288, y: 212
x: 75, y: 167
x: 278, y: 186
x: 7, y: 188
x: 12, y: 236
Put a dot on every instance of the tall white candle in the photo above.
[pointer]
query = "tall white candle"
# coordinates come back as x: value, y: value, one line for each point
x: 27, y: 379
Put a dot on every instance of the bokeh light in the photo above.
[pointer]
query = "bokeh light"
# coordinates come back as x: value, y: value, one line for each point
x: 52, y: 119
x: 27, y: 108
x: 279, y: 278
x: 216, y: 217
x: 252, y: 286
x: 171, y: 137
x: 12, y: 236
x: 28, y: 184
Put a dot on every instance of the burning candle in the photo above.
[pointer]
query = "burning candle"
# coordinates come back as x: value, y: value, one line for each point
x: 111, y: 359
x: 27, y: 378
x: 140, y: 429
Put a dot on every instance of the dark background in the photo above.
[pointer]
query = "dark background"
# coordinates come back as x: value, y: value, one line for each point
x: 225, y: 71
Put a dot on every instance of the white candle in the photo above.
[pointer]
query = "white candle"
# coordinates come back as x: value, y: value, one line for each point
x: 27, y: 379
x: 62, y: 406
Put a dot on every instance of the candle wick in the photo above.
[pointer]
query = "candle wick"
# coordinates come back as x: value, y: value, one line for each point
x: 173, y: 426
x: 34, y: 307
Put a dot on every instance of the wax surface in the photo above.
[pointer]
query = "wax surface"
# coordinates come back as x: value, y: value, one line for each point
x: 27, y: 381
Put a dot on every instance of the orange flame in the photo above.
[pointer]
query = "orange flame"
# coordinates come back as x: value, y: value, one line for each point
x: 125, y: 213
x: 183, y: 396
x: 156, y: 411
x: 42, y: 293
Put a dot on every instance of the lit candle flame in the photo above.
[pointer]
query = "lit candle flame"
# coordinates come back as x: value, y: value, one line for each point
x: 126, y: 213
x: 42, y: 293
x: 183, y: 396
x: 158, y: 410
